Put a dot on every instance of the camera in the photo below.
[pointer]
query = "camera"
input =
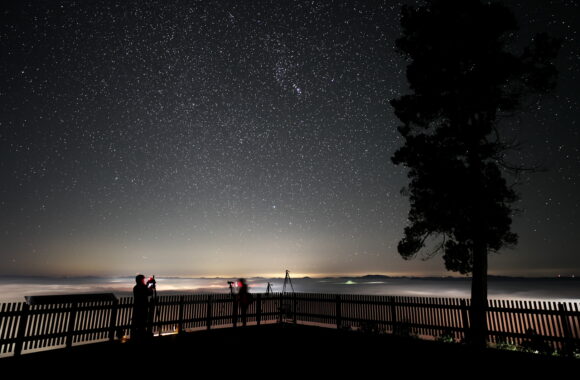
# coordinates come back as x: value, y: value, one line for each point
x: 151, y: 282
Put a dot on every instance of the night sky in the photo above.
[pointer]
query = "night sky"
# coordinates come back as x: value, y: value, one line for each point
x: 234, y: 138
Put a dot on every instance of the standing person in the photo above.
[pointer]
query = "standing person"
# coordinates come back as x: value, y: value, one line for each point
x: 244, y: 298
x: 141, y: 293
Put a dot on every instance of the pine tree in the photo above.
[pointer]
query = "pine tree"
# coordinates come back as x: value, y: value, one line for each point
x: 463, y: 76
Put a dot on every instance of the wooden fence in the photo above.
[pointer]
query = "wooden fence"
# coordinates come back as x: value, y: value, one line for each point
x: 29, y: 327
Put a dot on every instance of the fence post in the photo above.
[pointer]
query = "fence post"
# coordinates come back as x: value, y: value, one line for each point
x: 209, y: 312
x: 180, y: 323
x: 235, y: 312
x: 566, y: 327
x: 393, y: 314
x: 21, y: 329
x: 71, y: 325
x: 113, y: 321
x: 464, y: 319
x: 294, y: 303
x: 280, y: 309
x: 338, y: 312
x: 258, y: 309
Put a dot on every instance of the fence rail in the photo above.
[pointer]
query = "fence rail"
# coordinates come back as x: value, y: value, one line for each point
x: 28, y: 327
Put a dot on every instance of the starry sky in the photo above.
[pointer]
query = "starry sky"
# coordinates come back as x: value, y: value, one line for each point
x: 206, y: 138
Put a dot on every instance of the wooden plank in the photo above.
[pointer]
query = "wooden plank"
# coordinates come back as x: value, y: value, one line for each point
x: 90, y: 319
x: 404, y: 311
x: 373, y: 309
x: 3, y: 323
x: 360, y: 310
x: 496, y: 320
x: 442, y: 310
x: 378, y: 312
x: 444, y: 316
x: 85, y: 322
x: 455, y: 317
x: 514, y: 320
x: 527, y: 314
x: 175, y: 314
x: 554, y: 328
x: 7, y: 328
x: 55, y: 324
x: 493, y: 325
x: 397, y: 313
x: 566, y: 329
x: 385, y: 312
x: 501, y: 318
x: 40, y: 326
x: 78, y: 324
x: 365, y: 310
x: 35, y: 328
x: 103, y: 318
x: 437, y: 315
x: 432, y: 310
x: 509, y: 317
x: 428, y: 316
x: 4, y: 320
x: 539, y: 318
x: 188, y: 312
x: 209, y: 312
x: 425, y: 316
x: 464, y: 319
x: 51, y: 316
x: 519, y: 319
x: 52, y: 326
x: 413, y: 313
x: 543, y: 320
x: 71, y: 325
x: 59, y: 328
x: 381, y: 313
x: 501, y: 326
x: 547, y: 322
x: 576, y: 321
x: 113, y: 320
x: 530, y: 316
x: 22, y: 323
x: 462, y: 323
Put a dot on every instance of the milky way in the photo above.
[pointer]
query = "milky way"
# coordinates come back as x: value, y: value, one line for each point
x: 240, y: 137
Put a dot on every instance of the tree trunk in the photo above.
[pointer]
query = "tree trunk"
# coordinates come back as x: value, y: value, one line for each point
x: 478, y: 331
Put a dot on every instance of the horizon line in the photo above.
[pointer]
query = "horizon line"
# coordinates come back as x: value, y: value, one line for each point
x: 298, y: 276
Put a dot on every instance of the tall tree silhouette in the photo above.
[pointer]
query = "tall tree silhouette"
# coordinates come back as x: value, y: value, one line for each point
x: 463, y: 76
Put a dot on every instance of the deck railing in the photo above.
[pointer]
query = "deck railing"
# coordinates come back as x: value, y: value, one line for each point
x: 28, y: 327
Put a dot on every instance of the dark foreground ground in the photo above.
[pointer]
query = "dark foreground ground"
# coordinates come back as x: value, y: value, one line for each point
x: 274, y: 351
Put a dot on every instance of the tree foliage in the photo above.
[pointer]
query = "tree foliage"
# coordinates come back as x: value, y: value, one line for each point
x: 463, y: 75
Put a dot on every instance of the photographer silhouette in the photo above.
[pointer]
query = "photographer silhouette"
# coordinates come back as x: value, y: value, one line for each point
x: 244, y: 298
x: 141, y: 313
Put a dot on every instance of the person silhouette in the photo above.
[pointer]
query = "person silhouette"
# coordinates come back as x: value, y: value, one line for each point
x: 141, y: 293
x: 244, y: 299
